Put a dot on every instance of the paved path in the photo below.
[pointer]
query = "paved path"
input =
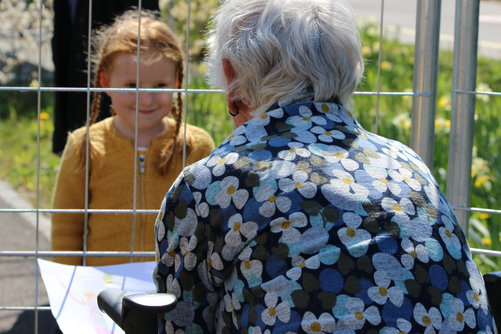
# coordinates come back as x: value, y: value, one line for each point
x: 17, y: 274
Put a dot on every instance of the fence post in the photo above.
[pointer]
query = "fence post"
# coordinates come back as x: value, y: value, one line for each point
x: 425, y: 78
x: 463, y: 107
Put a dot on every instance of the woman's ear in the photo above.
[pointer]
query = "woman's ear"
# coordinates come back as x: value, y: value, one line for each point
x: 229, y: 71
x: 239, y: 110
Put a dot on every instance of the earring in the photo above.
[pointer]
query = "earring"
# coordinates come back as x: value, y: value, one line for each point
x: 235, y: 107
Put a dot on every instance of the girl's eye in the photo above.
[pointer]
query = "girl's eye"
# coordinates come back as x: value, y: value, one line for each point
x: 163, y: 85
x: 129, y: 85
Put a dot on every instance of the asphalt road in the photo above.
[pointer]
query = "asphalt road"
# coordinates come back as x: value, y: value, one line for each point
x: 399, y: 19
x: 18, y: 274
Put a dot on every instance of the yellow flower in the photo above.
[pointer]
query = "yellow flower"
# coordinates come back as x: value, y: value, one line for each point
x: 439, y: 123
x: 444, y: 102
x: 442, y: 125
x: 44, y: 115
x: 487, y: 241
x: 484, y: 215
x: 34, y: 83
x: 386, y: 65
x: 366, y: 51
x: 481, y: 180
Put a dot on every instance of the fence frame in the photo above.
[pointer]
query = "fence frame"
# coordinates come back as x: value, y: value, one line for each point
x: 425, y: 78
x: 463, y: 107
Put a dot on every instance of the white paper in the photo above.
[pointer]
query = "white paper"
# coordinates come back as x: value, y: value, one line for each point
x: 73, y: 291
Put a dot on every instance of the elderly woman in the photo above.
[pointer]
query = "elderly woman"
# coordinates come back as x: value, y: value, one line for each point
x: 301, y: 220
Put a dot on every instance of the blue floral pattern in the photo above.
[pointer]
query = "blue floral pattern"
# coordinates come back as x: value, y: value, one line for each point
x: 302, y: 221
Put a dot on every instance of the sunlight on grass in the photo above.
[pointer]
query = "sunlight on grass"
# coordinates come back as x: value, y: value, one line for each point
x: 19, y: 159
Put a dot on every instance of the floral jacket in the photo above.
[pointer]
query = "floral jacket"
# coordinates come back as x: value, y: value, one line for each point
x: 302, y: 221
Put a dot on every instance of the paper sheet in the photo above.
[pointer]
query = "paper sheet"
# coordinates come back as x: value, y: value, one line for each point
x: 73, y: 291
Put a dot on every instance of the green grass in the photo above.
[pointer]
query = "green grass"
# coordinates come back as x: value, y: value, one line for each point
x: 18, y: 134
x: 208, y: 111
x: 20, y: 160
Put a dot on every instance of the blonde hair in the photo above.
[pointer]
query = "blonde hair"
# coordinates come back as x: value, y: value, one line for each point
x: 122, y: 37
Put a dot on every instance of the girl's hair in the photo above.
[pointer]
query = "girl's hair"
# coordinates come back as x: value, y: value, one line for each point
x: 284, y: 48
x: 121, y: 36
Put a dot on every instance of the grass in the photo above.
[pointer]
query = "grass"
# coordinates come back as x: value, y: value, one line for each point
x: 18, y: 135
x: 19, y: 157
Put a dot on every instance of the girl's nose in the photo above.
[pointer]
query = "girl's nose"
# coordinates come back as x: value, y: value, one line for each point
x: 145, y: 98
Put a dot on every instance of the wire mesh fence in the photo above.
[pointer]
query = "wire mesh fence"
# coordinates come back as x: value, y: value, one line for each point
x: 404, y: 102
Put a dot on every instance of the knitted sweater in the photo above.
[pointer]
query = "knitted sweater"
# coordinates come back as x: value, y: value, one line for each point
x: 111, y: 186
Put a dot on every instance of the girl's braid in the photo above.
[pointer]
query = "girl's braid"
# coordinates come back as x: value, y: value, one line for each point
x: 177, y: 113
x: 94, y: 113
x: 96, y: 101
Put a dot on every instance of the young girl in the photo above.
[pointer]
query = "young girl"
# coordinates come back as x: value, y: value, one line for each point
x: 112, y: 144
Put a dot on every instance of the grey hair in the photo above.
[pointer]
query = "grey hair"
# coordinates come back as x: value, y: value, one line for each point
x: 284, y: 48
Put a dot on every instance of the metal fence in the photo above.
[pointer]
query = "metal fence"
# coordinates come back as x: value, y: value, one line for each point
x: 424, y: 100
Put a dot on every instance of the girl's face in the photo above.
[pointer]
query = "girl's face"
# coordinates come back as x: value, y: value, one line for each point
x: 152, y: 106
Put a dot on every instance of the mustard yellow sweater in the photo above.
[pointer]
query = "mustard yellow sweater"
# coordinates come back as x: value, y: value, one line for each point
x: 111, y: 187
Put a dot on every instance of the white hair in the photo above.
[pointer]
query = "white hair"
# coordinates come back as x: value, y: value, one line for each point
x: 285, y: 48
